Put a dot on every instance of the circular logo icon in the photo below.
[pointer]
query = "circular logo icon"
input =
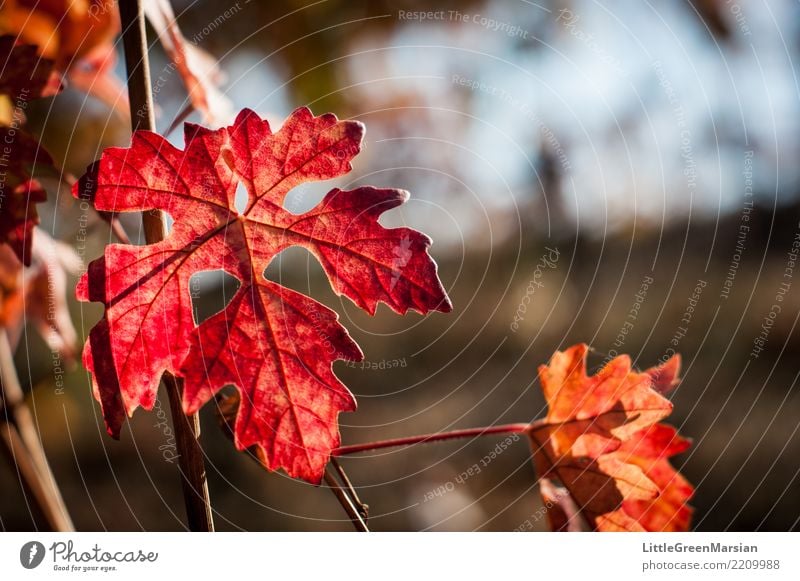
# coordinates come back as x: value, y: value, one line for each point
x: 31, y: 554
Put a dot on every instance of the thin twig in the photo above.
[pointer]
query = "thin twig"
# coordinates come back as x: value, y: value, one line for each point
x: 24, y: 446
x: 347, y: 503
x: 437, y: 437
x: 187, y: 428
x: 227, y: 410
x: 363, y: 509
x: 193, y: 470
x: 119, y: 231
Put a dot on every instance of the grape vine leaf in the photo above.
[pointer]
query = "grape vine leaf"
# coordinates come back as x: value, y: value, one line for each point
x: 602, y: 443
x: 275, y: 345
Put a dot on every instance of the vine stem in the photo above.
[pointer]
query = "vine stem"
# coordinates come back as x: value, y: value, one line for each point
x: 347, y: 503
x: 21, y: 442
x: 187, y: 427
x: 436, y: 437
x: 363, y: 509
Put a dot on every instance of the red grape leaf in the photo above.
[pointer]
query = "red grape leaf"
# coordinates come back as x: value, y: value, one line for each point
x: 274, y: 344
x: 588, y: 421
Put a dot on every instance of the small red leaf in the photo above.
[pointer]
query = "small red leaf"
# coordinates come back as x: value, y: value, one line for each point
x: 275, y: 345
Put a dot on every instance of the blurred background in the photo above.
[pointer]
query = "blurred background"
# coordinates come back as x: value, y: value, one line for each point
x: 585, y: 170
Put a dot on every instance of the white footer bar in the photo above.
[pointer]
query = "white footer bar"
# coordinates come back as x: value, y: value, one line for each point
x: 406, y: 556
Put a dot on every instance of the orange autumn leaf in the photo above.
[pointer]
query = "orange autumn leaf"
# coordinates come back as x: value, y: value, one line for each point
x: 64, y: 30
x: 78, y: 36
x: 650, y: 449
x: 579, y: 445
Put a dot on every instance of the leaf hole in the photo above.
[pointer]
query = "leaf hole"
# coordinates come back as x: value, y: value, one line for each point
x: 296, y: 268
x: 241, y: 198
x: 211, y: 291
x: 305, y: 196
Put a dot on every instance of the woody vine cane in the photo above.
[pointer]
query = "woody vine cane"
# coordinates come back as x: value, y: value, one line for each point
x: 187, y: 428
